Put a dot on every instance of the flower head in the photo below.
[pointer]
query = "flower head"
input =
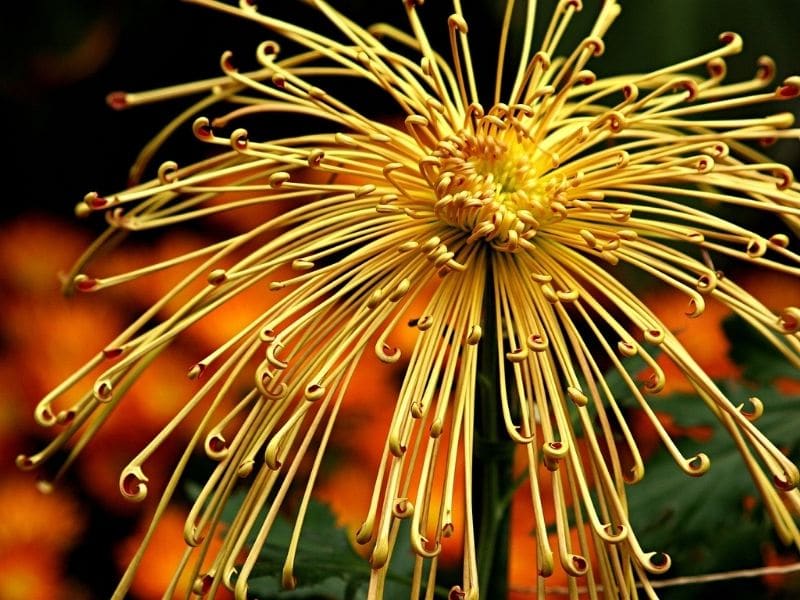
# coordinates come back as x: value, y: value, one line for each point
x: 496, y: 229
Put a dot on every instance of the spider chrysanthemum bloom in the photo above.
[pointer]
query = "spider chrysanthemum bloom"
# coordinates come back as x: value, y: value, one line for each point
x: 510, y: 215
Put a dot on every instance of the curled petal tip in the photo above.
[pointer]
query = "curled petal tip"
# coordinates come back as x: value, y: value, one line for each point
x: 537, y: 342
x: 245, y: 468
x: 202, y: 128
x: 717, y: 68
x: 577, y: 396
x: 474, y: 334
x: 786, y: 482
x: 705, y: 164
x: 635, y: 475
x: 387, y: 353
x: 733, y: 40
x: 111, y: 353
x: 706, y: 283
x: 456, y: 593
x: 517, y: 355
x: 655, y: 383
x: 457, y: 22
x: 25, y: 462
x: 575, y: 565
x: 690, y: 87
x: 757, y: 409
x: 314, y: 391
x: 595, y: 44
x: 696, y: 308
x: 698, y: 465
x: 84, y: 283
x: 402, y: 508
x: 766, y: 68
x: 789, y: 321
x: 95, y: 201
x: 276, y: 180
x: 654, y: 336
x: 239, y: 139
x: 82, y: 210
x: 288, y: 580
x: 315, y: 157
x: 781, y: 240
x: 424, y: 547
x: 576, y: 5
x: 364, y: 532
x: 268, y: 49
x: 272, y: 455
x: 785, y: 177
x: 117, y: 100
x: 217, y: 277
x: 43, y: 414
x: 553, y: 452
x: 226, y: 62
x: 65, y: 417
x: 133, y: 483
x: 657, y: 562
x: 614, y: 534
x: 790, y: 88
x: 756, y: 248
x: 202, y: 584
x: 167, y: 172
x: 380, y: 553
x: 216, y: 446
x: 196, y: 371
x: 240, y: 589
x: 103, y: 390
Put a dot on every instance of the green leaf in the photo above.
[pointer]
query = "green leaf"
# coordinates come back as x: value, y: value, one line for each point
x: 326, y: 566
x: 702, y: 523
x: 760, y: 361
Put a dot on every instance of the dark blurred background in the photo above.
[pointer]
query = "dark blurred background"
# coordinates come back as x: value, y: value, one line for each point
x: 61, y: 140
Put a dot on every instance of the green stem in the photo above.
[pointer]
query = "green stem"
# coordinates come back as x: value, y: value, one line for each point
x: 493, y: 479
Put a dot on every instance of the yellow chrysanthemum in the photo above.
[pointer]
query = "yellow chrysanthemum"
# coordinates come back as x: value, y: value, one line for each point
x: 512, y: 217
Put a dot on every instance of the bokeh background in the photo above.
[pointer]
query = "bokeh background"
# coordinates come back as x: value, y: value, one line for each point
x: 60, y: 59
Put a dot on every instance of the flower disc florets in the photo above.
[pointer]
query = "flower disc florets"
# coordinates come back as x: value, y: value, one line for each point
x: 490, y: 185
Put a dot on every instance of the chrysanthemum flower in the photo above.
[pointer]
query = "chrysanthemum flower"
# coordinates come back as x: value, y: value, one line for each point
x: 510, y: 218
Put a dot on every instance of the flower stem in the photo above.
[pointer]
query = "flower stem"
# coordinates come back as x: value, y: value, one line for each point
x: 492, y: 468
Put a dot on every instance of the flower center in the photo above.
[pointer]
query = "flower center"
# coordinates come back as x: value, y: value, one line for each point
x: 487, y: 185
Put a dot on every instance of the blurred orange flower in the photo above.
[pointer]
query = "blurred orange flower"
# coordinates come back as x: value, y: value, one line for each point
x: 36, y: 531
x: 27, y: 573
x: 160, y: 562
x: 703, y: 338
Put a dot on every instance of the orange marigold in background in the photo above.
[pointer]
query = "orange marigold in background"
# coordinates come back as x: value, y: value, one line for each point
x: 36, y: 532
x: 776, y: 290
